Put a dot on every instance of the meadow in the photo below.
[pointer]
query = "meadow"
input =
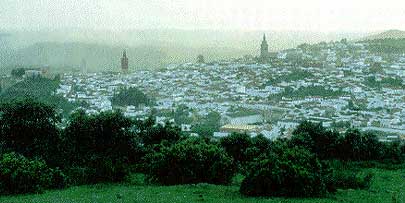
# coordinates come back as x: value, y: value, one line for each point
x: 387, y: 186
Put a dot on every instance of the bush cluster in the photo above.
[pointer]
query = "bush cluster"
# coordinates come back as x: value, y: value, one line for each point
x: 352, y: 145
x: 301, y: 166
x: 105, y: 147
x: 244, y: 149
x: 284, y: 171
x: 190, y: 161
x: 37, y: 153
x: 100, y: 147
x: 19, y: 175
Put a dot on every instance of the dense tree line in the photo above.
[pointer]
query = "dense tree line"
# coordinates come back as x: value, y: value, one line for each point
x: 390, y: 82
x: 18, y: 72
x: 352, y: 145
x: 314, y: 91
x: 97, y: 148
x: 36, y: 154
x: 294, y: 76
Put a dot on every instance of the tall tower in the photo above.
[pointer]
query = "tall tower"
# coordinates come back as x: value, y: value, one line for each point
x: 264, y: 50
x: 124, y: 62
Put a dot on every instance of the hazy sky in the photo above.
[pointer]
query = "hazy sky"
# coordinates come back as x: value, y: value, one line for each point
x: 309, y: 15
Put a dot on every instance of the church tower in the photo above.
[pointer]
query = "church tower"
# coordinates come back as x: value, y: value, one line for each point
x: 264, y: 50
x: 124, y: 62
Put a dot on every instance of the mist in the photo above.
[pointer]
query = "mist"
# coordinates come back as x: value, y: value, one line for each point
x: 66, y: 49
x: 63, y: 34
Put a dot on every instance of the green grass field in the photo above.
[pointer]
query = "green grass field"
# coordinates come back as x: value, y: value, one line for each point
x: 387, y: 186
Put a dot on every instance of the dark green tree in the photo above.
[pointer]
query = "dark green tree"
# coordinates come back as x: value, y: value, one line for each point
x: 156, y: 134
x: 260, y: 145
x: 18, y: 72
x: 103, y: 145
x: 210, y: 124
x: 29, y: 128
x: 317, y: 139
x: 237, y: 145
x: 358, y: 146
x: 130, y: 97
x: 200, y: 59
x: 181, y: 115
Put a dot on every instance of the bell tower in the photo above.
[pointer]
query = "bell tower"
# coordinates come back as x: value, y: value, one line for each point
x: 264, y: 50
x: 124, y: 62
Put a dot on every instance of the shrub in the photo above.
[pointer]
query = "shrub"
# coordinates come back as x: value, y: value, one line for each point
x: 59, y: 179
x: 284, y: 171
x: 189, y: 161
x: 349, y: 179
x: 80, y: 175
x: 20, y: 175
x: 350, y: 175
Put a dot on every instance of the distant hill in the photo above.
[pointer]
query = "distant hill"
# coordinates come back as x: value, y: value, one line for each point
x: 69, y: 56
x: 40, y: 89
x: 390, y: 34
x: 64, y: 50
x: 386, y: 46
x: 97, y: 57
x: 4, y: 35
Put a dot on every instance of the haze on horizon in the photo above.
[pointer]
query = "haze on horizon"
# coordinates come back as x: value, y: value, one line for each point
x: 309, y: 15
x: 61, y: 33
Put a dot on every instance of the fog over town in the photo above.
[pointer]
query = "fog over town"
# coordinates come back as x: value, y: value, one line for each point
x: 202, y: 101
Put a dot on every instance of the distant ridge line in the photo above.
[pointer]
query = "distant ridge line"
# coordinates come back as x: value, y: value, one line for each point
x: 389, y: 34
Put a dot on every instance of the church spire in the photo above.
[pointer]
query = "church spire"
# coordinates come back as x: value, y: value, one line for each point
x: 124, y: 62
x: 264, y: 50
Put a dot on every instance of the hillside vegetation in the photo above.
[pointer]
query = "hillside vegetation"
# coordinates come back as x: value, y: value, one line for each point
x: 41, y: 89
x: 139, y: 157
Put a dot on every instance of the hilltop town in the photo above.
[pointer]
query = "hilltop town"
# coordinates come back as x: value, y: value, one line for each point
x: 339, y: 83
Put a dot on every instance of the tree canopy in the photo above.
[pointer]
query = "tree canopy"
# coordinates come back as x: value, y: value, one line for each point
x: 130, y: 97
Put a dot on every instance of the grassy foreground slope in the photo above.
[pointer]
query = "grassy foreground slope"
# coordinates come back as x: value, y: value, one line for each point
x: 387, y: 186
